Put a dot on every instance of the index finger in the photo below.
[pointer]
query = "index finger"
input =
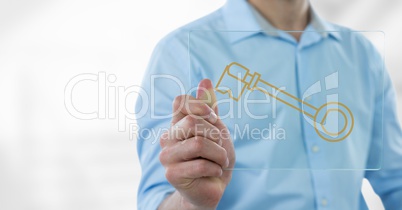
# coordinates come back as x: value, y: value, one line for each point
x: 187, y: 105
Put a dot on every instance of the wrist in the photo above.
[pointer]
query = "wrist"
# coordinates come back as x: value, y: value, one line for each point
x: 187, y: 205
x: 177, y: 201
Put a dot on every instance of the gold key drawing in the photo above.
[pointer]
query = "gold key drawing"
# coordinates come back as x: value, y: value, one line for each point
x: 319, y: 115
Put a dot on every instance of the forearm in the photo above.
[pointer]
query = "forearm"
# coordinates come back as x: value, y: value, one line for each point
x: 171, y: 202
x: 176, y: 201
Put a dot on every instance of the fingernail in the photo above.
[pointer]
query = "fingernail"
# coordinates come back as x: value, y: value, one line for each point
x: 227, y: 162
x: 212, y: 116
x: 178, y: 124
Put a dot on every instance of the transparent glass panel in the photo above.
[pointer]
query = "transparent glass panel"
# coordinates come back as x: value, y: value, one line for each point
x: 315, y: 103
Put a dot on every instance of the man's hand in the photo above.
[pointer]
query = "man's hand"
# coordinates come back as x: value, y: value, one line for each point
x: 195, y: 152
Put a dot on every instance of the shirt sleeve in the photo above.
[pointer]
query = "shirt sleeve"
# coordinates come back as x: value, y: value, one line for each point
x: 166, y: 77
x: 386, y: 143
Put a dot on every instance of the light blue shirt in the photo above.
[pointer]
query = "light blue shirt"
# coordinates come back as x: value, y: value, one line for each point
x: 376, y: 140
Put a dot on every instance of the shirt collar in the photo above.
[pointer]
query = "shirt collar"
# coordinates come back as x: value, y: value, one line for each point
x: 239, y: 15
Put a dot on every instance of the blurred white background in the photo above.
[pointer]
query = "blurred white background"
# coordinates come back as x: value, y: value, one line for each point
x: 51, y: 160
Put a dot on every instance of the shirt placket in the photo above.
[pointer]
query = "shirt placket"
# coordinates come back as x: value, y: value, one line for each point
x: 313, y: 144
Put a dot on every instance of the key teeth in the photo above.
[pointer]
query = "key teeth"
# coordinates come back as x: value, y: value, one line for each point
x: 229, y: 92
x: 221, y: 86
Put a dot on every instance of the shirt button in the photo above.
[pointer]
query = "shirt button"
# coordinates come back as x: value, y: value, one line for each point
x: 308, y: 98
x: 324, y: 202
x: 315, y: 148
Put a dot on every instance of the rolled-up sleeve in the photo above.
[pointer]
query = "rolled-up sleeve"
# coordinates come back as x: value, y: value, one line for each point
x: 386, y: 145
x: 165, y: 78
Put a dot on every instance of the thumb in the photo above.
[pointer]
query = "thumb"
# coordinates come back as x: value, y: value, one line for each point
x: 206, y: 93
